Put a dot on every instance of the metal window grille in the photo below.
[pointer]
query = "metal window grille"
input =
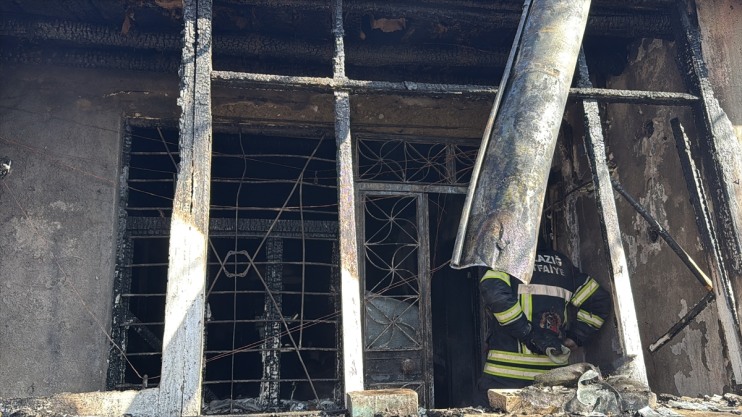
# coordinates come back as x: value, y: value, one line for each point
x: 410, y: 160
x: 272, y: 322
x: 397, y: 268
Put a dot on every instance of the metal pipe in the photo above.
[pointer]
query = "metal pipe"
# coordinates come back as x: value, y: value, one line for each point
x: 504, y: 203
x: 682, y: 254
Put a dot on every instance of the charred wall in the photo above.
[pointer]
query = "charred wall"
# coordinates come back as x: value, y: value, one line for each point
x: 641, y: 151
x: 722, y: 48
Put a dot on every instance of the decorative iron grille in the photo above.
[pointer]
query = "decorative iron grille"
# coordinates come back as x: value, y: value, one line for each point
x: 397, y: 294
x: 415, y: 161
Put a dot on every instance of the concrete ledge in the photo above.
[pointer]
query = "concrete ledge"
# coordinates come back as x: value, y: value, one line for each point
x: 400, y: 402
x: 100, y: 404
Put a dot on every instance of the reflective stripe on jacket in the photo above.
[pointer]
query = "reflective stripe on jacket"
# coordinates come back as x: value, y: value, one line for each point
x: 517, y: 365
x: 514, y: 307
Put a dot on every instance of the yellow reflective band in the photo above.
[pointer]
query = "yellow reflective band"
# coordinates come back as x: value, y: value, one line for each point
x: 519, y: 358
x: 512, y: 372
x: 509, y: 315
x: 525, y: 302
x: 590, y: 319
x: 496, y: 275
x: 540, y: 289
x: 584, y: 292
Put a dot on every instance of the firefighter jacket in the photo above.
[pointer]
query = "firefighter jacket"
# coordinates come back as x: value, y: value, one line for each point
x: 559, y: 298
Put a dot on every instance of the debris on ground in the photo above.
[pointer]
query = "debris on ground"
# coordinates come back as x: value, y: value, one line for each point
x: 581, y: 390
x: 255, y: 405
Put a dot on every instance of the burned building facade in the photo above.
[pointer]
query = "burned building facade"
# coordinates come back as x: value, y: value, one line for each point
x: 251, y: 205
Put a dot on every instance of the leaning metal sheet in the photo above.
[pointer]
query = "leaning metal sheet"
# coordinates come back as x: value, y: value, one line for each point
x: 504, y: 202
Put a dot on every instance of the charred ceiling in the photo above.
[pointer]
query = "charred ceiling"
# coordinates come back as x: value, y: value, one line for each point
x: 427, y: 41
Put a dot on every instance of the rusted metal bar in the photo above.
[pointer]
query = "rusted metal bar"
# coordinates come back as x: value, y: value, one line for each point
x: 623, y: 299
x: 683, y: 323
x: 722, y: 153
x: 506, y: 194
x: 316, y: 229
x: 161, y: 62
x: 671, y: 242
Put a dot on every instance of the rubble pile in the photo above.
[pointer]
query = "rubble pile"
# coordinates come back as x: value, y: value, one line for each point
x: 581, y: 390
x: 727, y: 403
x: 254, y: 405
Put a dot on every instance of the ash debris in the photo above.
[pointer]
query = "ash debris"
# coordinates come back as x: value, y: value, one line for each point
x: 581, y: 390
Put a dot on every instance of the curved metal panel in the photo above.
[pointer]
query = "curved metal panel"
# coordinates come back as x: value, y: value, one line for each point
x: 504, y: 203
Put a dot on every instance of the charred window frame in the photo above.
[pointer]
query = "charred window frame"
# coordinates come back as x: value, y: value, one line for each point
x: 145, y: 204
x: 272, y: 245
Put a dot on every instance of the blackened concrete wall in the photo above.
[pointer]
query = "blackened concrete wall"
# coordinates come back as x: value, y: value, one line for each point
x: 640, y: 144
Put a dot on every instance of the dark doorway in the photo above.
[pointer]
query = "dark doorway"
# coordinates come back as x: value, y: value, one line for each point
x: 455, y: 309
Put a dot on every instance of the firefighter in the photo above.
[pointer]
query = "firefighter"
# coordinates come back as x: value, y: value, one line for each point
x: 530, y: 330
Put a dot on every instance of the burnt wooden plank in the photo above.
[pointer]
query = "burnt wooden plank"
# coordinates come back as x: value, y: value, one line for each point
x: 623, y: 299
x: 324, y: 84
x: 350, y: 282
x: 719, y: 148
x: 183, y: 339
x: 710, y: 239
x: 349, y: 276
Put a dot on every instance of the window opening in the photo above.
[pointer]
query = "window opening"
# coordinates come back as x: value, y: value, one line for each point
x: 272, y: 265
x: 149, y: 160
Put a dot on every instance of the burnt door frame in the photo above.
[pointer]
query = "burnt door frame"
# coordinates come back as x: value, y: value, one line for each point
x: 424, y: 298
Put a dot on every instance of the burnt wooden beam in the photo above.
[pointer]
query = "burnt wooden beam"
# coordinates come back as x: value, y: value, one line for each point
x: 350, y: 278
x: 616, y: 21
x: 185, y: 302
x: 722, y: 154
x: 704, y: 220
x: 514, y: 6
x: 323, y: 84
x: 660, y: 98
x: 92, y: 58
x: 654, y: 225
x: 623, y: 299
x: 683, y: 322
x: 251, y: 45
x: 81, y: 33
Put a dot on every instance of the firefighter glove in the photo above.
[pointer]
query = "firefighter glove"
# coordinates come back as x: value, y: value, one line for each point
x: 538, y: 340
